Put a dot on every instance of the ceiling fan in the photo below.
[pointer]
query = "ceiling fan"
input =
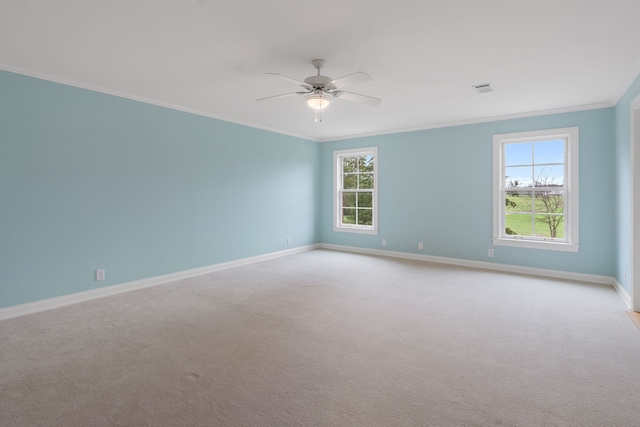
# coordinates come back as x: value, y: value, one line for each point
x: 320, y: 91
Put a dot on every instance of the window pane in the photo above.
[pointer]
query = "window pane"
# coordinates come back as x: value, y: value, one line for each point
x: 348, y: 216
x: 365, y: 217
x: 536, y: 175
x: 365, y: 200
x: 366, y: 180
x: 365, y: 163
x: 549, y: 175
x: 349, y: 200
x: 549, y: 201
x: 355, y: 192
x: 517, y: 201
x: 549, y: 226
x: 549, y: 151
x: 518, y: 154
x: 350, y: 181
x: 349, y: 164
x: 519, y: 224
x: 518, y: 176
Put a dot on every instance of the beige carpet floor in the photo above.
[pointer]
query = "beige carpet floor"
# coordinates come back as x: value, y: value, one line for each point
x: 326, y: 338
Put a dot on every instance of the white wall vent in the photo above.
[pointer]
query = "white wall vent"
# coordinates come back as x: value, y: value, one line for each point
x: 483, y: 88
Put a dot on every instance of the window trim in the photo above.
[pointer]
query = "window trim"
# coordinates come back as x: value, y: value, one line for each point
x: 337, y: 182
x: 571, y: 221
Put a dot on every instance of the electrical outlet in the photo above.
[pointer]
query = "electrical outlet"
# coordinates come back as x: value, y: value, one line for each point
x: 490, y: 252
x: 100, y: 274
x: 288, y: 240
x: 420, y: 245
x: 384, y: 242
x: 625, y: 277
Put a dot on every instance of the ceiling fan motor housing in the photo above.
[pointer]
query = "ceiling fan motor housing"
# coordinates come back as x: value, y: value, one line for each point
x: 318, y: 82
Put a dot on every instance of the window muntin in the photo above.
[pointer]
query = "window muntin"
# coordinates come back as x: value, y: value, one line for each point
x: 535, y: 189
x: 355, y: 195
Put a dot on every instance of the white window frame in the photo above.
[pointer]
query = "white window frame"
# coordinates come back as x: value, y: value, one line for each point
x: 571, y: 223
x: 338, y: 155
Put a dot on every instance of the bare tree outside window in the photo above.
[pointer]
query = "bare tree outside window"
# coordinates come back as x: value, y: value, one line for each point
x: 552, y: 201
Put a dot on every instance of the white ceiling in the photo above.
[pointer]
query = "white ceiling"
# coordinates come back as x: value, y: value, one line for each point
x: 210, y: 56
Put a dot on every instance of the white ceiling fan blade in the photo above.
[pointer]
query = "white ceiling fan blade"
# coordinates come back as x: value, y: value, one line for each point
x: 356, y: 97
x: 349, y: 80
x: 282, y: 96
x: 289, y: 79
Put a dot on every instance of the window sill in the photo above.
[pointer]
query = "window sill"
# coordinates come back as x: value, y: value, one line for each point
x: 531, y: 244
x: 357, y: 230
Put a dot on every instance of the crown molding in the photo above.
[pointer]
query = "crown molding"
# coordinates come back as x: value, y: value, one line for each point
x: 68, y: 82
x: 93, y: 88
x: 635, y: 72
x: 477, y: 121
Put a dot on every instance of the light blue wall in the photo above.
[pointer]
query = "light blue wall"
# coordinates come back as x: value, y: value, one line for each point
x: 91, y: 181
x: 623, y: 182
x: 435, y: 186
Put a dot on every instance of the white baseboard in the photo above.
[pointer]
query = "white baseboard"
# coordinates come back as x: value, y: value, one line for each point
x: 51, y: 303
x: 61, y: 301
x: 556, y: 274
x: 622, y: 292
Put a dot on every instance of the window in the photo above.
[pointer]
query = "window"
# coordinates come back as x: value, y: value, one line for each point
x: 356, y: 190
x: 536, y: 189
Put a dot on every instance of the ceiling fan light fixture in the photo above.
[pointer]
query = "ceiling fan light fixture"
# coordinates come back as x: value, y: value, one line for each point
x: 318, y: 100
x: 319, y: 91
